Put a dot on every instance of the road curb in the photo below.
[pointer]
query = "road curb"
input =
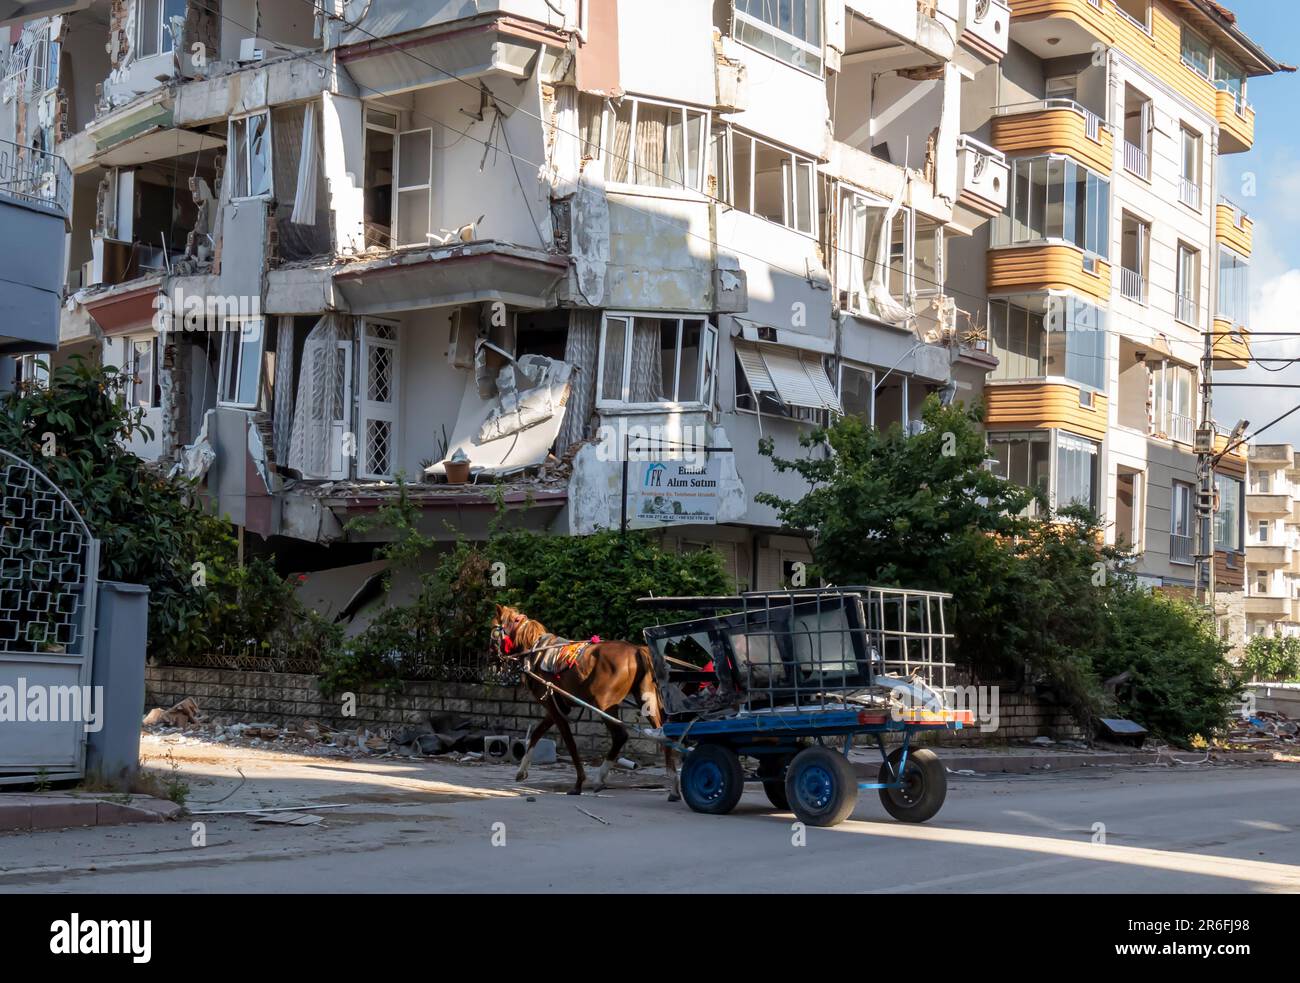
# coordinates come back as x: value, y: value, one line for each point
x: 61, y: 810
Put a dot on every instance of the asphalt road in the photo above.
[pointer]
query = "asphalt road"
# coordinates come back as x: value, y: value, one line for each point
x: 443, y: 829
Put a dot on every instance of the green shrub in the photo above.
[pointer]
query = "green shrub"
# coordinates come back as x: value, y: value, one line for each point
x: 1272, y: 660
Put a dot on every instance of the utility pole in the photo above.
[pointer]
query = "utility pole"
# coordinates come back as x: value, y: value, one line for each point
x: 1205, y: 474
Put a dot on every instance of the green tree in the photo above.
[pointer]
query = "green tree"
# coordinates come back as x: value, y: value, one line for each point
x: 75, y: 431
x: 1272, y: 660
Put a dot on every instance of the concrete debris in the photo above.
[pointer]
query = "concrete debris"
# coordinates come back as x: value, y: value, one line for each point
x: 1265, y: 730
x: 183, y: 714
x: 422, y: 736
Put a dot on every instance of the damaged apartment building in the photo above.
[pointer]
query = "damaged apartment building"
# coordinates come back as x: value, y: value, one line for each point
x: 336, y: 243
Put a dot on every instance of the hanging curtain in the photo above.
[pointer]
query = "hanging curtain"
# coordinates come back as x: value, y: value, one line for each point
x: 647, y: 384
x: 282, y: 420
x: 320, y: 402
x: 304, y: 202
x: 580, y: 351
x: 621, y: 144
x: 651, y: 144
x: 883, y: 304
x: 297, y: 241
x: 565, y: 151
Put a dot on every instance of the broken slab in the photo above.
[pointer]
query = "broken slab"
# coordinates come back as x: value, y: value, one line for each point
x: 21, y: 811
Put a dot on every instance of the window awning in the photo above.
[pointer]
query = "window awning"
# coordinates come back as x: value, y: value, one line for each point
x: 796, y: 378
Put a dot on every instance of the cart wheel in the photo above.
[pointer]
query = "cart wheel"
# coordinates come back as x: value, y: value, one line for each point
x: 925, y: 784
x: 821, y: 787
x: 771, y: 770
x: 712, y: 779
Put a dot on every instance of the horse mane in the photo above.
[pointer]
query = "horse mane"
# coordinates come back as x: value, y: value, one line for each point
x: 528, y: 631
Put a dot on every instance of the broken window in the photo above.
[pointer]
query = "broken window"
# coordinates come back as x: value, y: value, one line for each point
x: 773, y: 183
x: 250, y: 156
x: 157, y: 22
x: 414, y: 187
x: 241, y: 362
x: 656, y: 145
x: 647, y: 360
x: 32, y: 371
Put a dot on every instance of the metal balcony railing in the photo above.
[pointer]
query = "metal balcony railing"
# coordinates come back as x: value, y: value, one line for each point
x: 35, y: 177
x: 1137, y: 161
x: 1180, y: 548
x: 1133, y: 285
x: 1189, y: 193
x: 1187, y: 310
x: 1181, y: 428
x: 1091, y: 121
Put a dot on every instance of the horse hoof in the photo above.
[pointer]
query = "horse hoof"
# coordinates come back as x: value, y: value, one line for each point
x: 520, y: 775
x: 575, y: 791
x: 598, y: 788
x: 674, y: 797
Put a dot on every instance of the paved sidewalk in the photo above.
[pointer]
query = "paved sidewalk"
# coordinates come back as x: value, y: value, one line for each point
x: 61, y: 810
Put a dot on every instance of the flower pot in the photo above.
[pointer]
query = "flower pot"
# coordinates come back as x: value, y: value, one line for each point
x: 457, y: 472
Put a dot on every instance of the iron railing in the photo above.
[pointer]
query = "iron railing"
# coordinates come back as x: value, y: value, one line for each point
x: 1187, y: 310
x: 1133, y: 285
x: 1189, y: 193
x: 1137, y: 161
x: 35, y: 177
x: 1180, y: 548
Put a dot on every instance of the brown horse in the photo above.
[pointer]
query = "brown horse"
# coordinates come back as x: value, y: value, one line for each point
x: 603, y: 674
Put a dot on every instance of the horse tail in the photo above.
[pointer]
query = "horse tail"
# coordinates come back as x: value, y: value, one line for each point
x: 646, y: 686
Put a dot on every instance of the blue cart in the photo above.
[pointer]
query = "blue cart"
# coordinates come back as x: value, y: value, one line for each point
x: 777, y: 688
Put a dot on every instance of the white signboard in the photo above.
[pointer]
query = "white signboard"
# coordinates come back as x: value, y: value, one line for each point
x: 667, y: 493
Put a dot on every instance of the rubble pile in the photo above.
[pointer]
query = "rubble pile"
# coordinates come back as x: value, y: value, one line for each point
x: 420, y: 736
x: 1265, y: 730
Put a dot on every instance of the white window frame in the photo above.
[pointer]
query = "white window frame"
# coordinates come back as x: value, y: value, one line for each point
x: 1181, y: 501
x: 231, y: 144
x: 236, y: 361
x: 699, y: 179
x: 706, y: 384
x: 34, y: 370
x: 399, y: 188
x: 369, y: 410
x: 166, y: 43
x: 134, y: 382
x: 758, y: 24
x: 1208, y: 74
x: 393, y: 131
x: 1191, y: 180
x: 1187, y: 295
x: 790, y: 168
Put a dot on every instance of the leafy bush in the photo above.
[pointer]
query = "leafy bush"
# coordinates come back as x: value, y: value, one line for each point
x: 578, y: 586
x: 1272, y: 660
x: 74, y: 431
x: 1180, y: 681
x: 1035, y: 600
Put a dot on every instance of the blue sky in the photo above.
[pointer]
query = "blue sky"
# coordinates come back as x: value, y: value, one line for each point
x: 1271, y: 170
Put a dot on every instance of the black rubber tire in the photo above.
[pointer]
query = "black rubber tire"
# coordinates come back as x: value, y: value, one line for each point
x: 712, y: 779
x: 821, y: 787
x: 771, y: 769
x: 924, y: 789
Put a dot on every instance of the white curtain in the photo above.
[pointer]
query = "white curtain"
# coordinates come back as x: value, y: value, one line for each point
x: 304, y: 203
x: 320, y: 398
x: 564, y: 160
x: 647, y: 382
x: 883, y: 304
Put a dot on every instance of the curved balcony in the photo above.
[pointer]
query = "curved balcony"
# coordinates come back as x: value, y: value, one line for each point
x: 1048, y: 266
x: 1060, y: 126
x: 1231, y: 345
x: 1233, y: 228
x: 1045, y: 406
x: 1236, y: 121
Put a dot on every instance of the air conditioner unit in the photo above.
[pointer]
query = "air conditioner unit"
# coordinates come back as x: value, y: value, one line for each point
x: 252, y: 49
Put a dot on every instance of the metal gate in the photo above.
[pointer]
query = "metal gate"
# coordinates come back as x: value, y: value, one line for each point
x: 49, y: 563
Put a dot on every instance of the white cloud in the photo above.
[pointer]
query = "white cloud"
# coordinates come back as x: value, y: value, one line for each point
x: 1275, y: 306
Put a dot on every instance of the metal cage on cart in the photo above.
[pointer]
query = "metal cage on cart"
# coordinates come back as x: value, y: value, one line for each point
x: 790, y: 679
x: 803, y: 648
